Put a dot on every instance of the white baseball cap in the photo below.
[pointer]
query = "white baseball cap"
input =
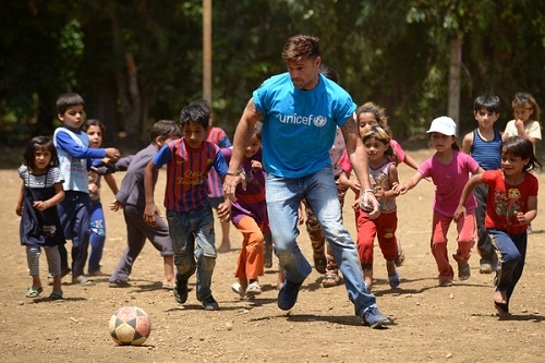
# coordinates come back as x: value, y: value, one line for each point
x: 443, y: 125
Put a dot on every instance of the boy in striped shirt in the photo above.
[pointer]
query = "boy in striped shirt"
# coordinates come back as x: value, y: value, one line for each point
x: 189, y: 214
x: 484, y: 145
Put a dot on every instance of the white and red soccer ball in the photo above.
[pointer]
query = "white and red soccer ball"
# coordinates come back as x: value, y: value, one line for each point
x: 130, y: 325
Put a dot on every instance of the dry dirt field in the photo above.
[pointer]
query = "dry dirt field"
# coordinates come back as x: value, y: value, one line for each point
x: 455, y: 324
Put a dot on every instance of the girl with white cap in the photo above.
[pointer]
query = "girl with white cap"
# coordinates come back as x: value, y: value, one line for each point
x: 449, y: 170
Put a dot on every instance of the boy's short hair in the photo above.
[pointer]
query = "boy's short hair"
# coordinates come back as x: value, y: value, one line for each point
x: 164, y: 129
x: 67, y: 100
x: 195, y: 113
x: 487, y: 102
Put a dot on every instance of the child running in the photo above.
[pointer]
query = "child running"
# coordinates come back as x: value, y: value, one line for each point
x: 95, y: 130
x: 511, y: 205
x: 131, y: 197
x: 484, y: 145
x: 41, y: 191
x: 449, y: 170
x: 189, y: 214
x: 383, y: 177
x: 526, y: 123
x: 249, y: 215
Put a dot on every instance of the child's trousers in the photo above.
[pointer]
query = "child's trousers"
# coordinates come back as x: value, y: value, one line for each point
x: 466, y: 239
x: 137, y: 233
x: 512, y: 251
x: 384, y: 228
x: 250, y: 260
x: 75, y: 214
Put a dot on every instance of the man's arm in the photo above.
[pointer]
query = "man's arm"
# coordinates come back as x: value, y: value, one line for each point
x: 358, y: 159
x: 243, y: 132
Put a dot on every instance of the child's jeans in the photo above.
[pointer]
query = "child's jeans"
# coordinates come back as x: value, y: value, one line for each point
x: 512, y: 248
x: 186, y: 229
x: 466, y: 239
x: 97, y: 237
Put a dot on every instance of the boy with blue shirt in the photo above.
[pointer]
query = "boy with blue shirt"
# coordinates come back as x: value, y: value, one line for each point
x: 189, y: 213
x: 72, y: 146
x: 484, y: 144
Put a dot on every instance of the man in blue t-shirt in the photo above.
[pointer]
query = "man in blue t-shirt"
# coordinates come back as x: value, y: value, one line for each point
x: 301, y: 110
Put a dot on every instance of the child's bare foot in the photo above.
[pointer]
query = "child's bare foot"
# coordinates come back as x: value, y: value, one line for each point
x: 224, y: 247
x: 368, y: 279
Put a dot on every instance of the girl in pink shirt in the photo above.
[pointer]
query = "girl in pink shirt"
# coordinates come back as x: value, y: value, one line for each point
x: 449, y: 170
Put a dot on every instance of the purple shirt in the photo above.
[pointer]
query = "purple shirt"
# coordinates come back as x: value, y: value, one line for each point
x: 250, y: 202
x: 449, y: 180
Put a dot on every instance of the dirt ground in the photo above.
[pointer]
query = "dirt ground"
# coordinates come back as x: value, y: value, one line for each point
x: 434, y: 324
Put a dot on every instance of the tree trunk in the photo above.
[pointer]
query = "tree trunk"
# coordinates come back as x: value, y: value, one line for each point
x: 128, y: 90
x: 454, y: 80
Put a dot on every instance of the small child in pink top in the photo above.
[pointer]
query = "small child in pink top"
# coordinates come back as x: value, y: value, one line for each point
x: 449, y: 170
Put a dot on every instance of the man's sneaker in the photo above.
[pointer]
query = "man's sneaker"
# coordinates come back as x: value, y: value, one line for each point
x: 287, y: 296
x: 374, y: 318
x: 210, y: 303
x: 180, y: 290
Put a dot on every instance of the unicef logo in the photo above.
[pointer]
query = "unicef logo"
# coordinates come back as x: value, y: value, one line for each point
x: 320, y: 121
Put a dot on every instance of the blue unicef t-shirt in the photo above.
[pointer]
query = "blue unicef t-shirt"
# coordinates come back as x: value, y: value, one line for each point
x: 299, y: 126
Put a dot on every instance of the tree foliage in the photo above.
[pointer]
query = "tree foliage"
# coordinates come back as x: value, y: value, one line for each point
x: 137, y: 61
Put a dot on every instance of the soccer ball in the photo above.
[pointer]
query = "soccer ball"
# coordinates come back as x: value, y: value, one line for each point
x: 130, y: 325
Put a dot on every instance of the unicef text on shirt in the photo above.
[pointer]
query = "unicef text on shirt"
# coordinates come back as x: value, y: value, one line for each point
x: 318, y: 121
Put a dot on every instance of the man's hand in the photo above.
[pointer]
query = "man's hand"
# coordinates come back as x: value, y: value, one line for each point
x: 230, y: 185
x: 369, y: 204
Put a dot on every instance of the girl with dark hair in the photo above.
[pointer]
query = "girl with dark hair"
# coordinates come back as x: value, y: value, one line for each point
x: 40, y: 227
x: 511, y: 205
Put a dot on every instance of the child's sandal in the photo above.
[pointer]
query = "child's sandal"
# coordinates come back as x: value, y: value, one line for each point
x: 31, y: 293
x: 56, y: 295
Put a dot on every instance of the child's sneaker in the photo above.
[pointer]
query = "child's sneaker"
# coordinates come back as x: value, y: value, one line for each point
x: 209, y: 303
x: 331, y: 279
x: 485, y: 267
x: 463, y: 267
x: 237, y: 289
x: 394, y: 280
x: 180, y: 290
x: 253, y: 290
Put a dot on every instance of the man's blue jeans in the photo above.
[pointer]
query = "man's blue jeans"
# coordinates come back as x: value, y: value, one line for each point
x: 283, y: 199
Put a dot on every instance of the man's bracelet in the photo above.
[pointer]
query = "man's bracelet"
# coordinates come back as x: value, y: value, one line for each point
x: 369, y: 191
x: 237, y: 173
